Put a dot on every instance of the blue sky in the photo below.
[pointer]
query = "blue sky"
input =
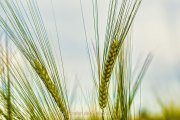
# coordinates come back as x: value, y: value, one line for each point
x: 156, y: 29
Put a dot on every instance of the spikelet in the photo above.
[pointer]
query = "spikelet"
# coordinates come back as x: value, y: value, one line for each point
x: 43, y: 74
x: 106, y: 74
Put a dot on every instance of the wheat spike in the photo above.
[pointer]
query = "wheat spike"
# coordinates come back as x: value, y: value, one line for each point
x: 106, y: 74
x: 43, y: 74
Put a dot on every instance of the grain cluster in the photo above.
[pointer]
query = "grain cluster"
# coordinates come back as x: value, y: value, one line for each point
x: 43, y: 74
x: 106, y: 74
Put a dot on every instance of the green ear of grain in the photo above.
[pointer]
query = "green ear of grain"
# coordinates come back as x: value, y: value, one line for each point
x: 43, y: 74
x: 106, y: 74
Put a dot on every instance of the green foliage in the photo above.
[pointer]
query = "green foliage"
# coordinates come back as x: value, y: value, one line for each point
x: 24, y: 26
x: 126, y: 82
x: 119, y: 23
x: 34, y: 84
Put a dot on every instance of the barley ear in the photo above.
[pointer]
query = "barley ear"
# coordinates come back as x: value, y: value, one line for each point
x: 106, y: 74
x: 43, y: 74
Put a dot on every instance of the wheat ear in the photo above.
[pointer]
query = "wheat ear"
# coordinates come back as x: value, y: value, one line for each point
x: 43, y: 74
x: 106, y: 74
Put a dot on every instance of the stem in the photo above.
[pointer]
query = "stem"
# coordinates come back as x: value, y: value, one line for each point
x: 102, y: 114
x: 9, y: 85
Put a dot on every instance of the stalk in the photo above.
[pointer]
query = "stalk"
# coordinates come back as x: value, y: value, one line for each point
x: 9, y: 107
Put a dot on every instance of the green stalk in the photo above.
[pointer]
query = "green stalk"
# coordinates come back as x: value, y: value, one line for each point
x: 8, y: 84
